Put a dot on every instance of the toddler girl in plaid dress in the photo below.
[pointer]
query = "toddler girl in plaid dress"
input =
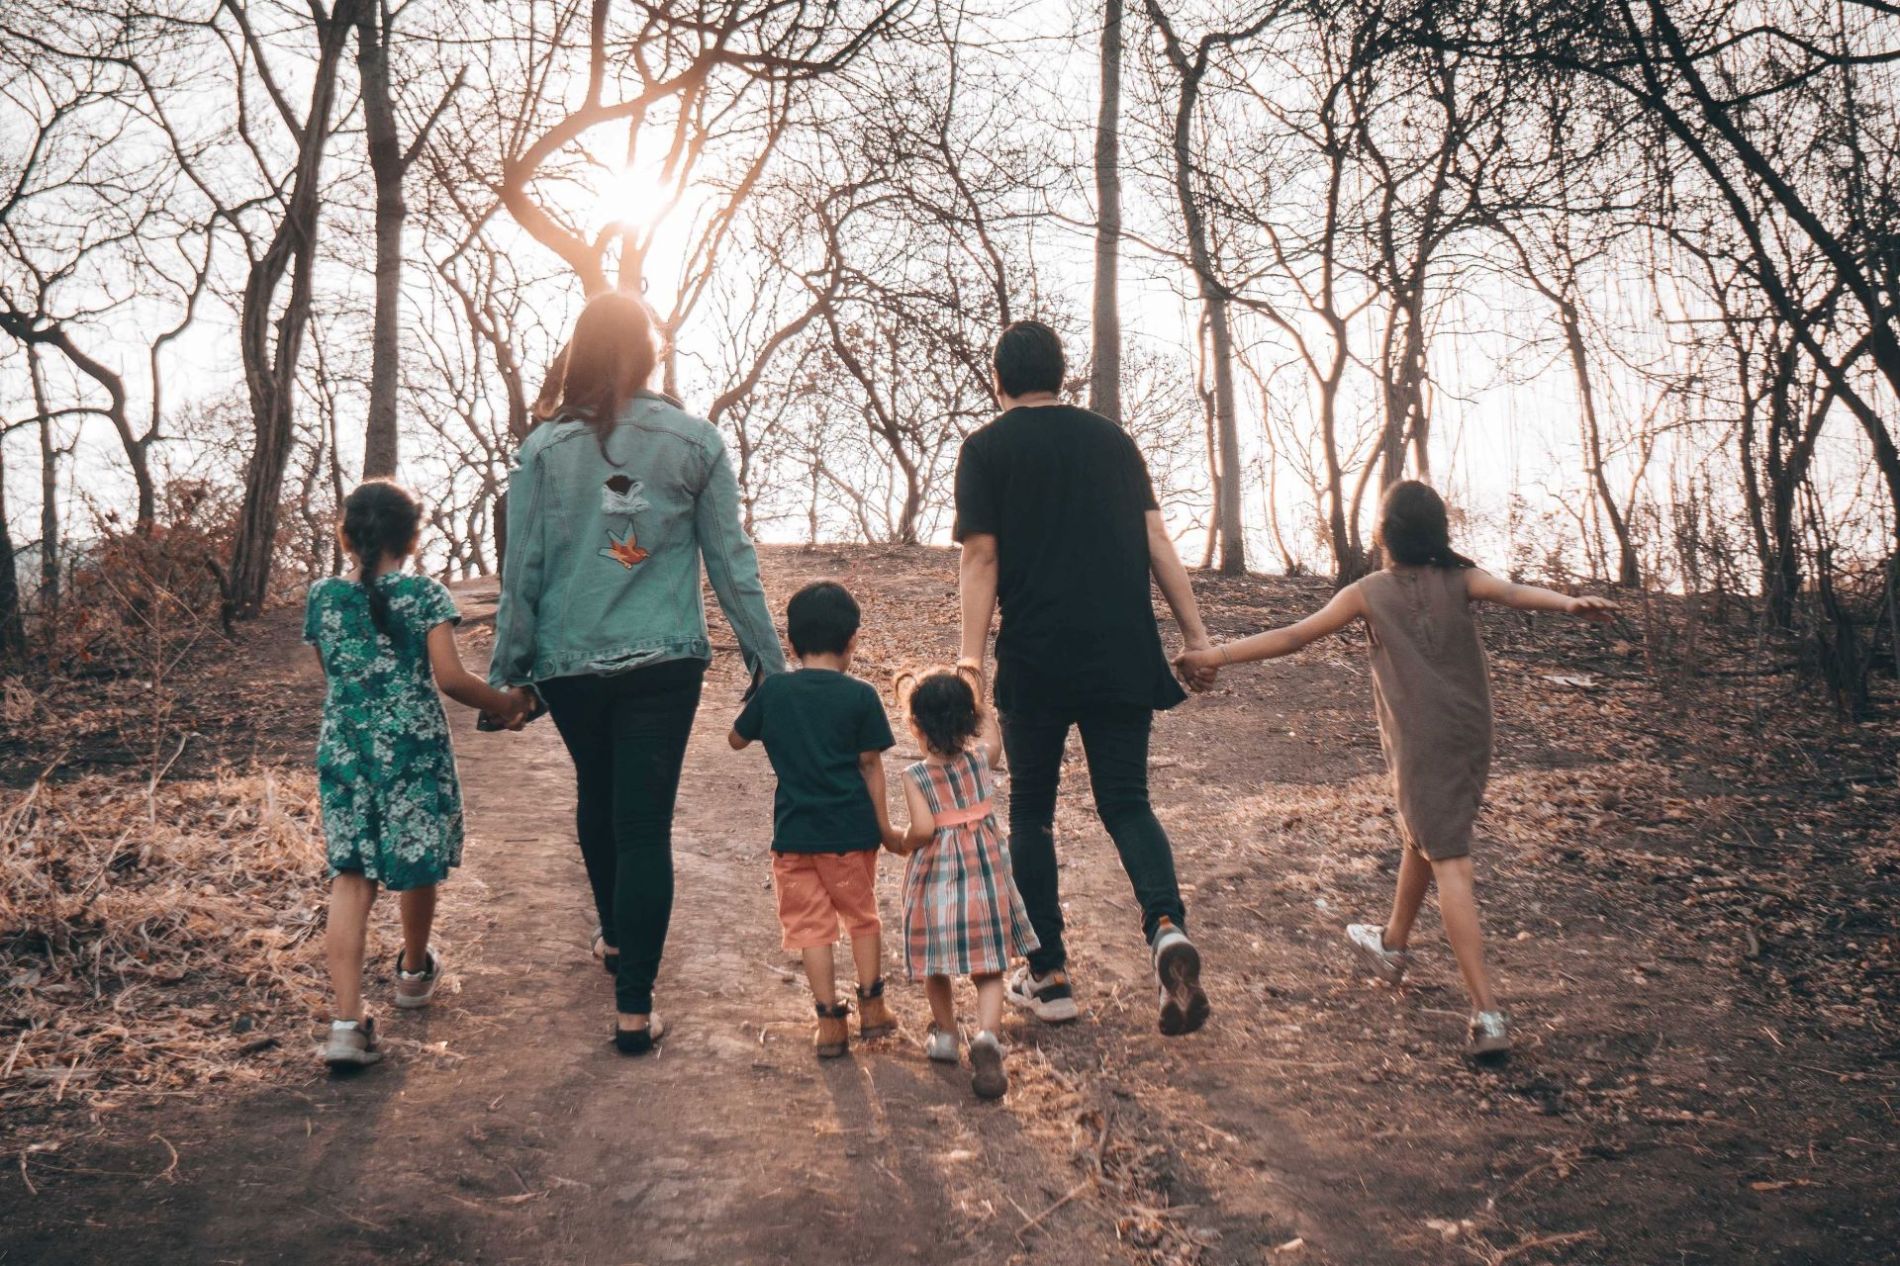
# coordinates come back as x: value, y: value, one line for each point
x: 962, y: 913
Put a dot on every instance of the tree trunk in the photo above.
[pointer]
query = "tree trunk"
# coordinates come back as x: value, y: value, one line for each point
x: 381, y: 433
x: 1214, y: 302
x: 1233, y: 548
x: 270, y: 363
x: 1105, y: 366
x: 1211, y: 434
x: 51, y: 546
x: 12, y: 626
x: 1628, y: 572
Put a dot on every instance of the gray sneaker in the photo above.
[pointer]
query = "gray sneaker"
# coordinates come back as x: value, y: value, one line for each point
x: 1048, y: 998
x: 1184, y: 1006
x: 415, y: 988
x: 1490, y: 1034
x: 986, y: 1056
x: 1368, y: 941
x: 352, y: 1044
x: 940, y: 1045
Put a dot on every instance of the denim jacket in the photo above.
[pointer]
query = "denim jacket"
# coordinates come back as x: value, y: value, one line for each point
x: 602, y: 567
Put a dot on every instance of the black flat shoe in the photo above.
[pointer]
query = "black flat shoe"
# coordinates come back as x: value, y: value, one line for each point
x: 639, y: 1041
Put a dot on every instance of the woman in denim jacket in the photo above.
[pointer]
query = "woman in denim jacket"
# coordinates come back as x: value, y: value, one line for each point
x: 613, y: 504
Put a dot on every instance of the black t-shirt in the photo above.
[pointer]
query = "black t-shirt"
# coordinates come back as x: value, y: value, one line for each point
x: 815, y: 723
x: 1066, y: 494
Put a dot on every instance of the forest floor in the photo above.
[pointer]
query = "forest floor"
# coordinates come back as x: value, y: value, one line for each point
x: 1688, y: 879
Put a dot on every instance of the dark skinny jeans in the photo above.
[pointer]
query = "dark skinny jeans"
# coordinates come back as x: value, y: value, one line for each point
x: 1115, y: 741
x: 627, y: 736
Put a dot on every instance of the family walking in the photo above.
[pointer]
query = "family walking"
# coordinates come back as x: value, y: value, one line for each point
x: 621, y: 501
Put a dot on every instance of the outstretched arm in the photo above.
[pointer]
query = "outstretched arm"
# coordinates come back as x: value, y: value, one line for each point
x: 1484, y: 587
x: 1347, y: 605
x: 463, y: 686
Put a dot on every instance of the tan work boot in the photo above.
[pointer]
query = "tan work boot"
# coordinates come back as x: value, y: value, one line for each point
x: 833, y: 1037
x: 874, y: 1014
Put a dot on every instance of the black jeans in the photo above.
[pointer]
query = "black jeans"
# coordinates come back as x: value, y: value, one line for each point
x: 1115, y: 740
x: 627, y: 736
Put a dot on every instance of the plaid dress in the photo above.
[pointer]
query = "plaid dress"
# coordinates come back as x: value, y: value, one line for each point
x: 962, y: 913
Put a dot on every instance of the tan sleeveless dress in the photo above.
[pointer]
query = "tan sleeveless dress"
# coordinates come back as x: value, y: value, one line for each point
x: 1433, y: 695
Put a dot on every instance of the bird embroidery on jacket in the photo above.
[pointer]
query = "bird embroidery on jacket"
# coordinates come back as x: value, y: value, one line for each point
x: 621, y: 495
x: 623, y: 550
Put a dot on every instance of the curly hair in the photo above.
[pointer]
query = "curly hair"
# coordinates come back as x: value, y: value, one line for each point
x: 945, y: 709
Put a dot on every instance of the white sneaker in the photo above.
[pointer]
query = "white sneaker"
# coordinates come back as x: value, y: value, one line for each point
x: 415, y: 988
x: 940, y: 1045
x: 1368, y: 941
x: 1048, y: 998
x: 352, y: 1044
x: 1490, y: 1034
x: 986, y: 1056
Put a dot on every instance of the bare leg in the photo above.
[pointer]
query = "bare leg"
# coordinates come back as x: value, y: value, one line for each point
x: 1458, y: 909
x: 418, y: 919
x: 347, y: 927
x: 989, y: 1002
x: 866, y: 951
x: 822, y: 974
x: 1415, y: 876
x: 943, y: 1005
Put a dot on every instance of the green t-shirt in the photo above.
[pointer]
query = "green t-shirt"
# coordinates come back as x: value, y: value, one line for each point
x: 815, y: 723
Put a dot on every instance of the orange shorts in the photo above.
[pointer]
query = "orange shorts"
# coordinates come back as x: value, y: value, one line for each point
x: 819, y: 891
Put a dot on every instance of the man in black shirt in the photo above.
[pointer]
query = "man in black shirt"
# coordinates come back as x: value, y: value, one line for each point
x: 1058, y: 522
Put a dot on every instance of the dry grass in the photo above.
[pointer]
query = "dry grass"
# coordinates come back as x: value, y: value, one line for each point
x: 154, y: 943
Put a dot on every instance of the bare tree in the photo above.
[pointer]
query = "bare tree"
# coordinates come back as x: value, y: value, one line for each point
x: 1191, y: 65
x: 389, y: 162
x: 1105, y: 361
x: 272, y: 320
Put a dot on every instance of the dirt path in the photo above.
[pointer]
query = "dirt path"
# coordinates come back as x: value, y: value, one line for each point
x: 1320, y: 1119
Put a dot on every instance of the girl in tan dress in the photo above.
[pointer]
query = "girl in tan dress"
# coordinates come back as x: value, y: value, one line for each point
x: 1433, y: 697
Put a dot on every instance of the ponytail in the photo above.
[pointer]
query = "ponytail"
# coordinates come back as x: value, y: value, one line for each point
x: 378, y: 600
x: 380, y: 520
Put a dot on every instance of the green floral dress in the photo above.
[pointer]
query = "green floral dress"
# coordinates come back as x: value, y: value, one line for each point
x: 392, y: 805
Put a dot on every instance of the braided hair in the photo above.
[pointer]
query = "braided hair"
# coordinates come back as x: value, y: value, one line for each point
x: 380, y: 520
x: 945, y: 709
x: 1415, y: 529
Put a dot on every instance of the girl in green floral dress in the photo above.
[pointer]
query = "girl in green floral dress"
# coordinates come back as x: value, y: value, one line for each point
x: 392, y: 807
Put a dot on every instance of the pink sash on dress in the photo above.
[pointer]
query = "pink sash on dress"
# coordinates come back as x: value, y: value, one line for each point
x: 963, y: 817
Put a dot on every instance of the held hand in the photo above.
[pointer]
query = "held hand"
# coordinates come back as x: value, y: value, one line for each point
x: 521, y: 704
x: 971, y: 670
x: 1595, y: 609
x: 1199, y: 668
x: 894, y: 840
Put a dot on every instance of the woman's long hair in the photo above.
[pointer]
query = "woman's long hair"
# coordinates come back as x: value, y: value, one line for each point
x: 1414, y: 528
x: 611, y: 354
x: 380, y: 520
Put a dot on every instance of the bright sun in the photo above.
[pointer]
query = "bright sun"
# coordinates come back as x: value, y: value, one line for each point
x: 628, y: 196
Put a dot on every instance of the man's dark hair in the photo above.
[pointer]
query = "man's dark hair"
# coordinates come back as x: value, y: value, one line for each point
x: 821, y: 619
x: 1028, y: 358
